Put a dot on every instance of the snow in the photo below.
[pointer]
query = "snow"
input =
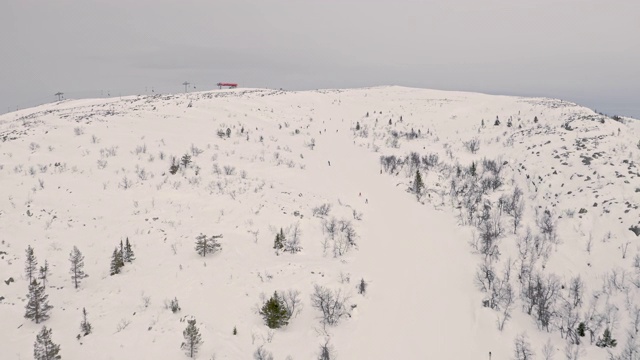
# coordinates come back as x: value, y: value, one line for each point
x: 421, y: 302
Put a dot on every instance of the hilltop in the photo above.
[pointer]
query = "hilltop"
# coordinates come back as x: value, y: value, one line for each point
x: 526, y: 224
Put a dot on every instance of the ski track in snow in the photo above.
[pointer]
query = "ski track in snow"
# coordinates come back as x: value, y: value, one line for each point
x: 416, y: 283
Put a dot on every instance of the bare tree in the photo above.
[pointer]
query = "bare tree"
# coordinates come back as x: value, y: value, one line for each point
x: 548, y: 350
x: 345, y: 239
x: 576, y: 290
x: 505, y: 295
x: 330, y: 227
x: 332, y: 304
x: 485, y: 277
x: 326, y: 351
x: 292, y: 302
x: 594, y: 320
x: 490, y: 231
x: 573, y: 352
x: 322, y: 210
x: 522, y: 349
x: 635, y: 316
x: 546, y: 294
x: 631, y: 348
x: 516, y: 215
x: 472, y: 145
x: 292, y: 241
x: 547, y: 224
x: 624, y: 247
x: 262, y: 354
x: 568, y: 322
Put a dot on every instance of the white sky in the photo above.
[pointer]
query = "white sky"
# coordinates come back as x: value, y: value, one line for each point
x: 587, y: 51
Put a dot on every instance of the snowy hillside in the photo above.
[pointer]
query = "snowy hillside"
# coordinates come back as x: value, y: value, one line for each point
x: 522, y: 231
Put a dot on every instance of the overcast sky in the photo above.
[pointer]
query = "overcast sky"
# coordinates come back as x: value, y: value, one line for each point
x: 587, y: 51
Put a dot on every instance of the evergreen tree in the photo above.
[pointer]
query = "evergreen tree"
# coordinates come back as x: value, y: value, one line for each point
x: 362, y: 287
x: 418, y: 185
x: 358, y: 125
x: 173, y: 169
x: 606, y: 340
x: 581, y: 329
x: 43, y: 274
x: 128, y: 255
x: 535, y: 119
x: 38, y: 307
x: 77, y: 266
x: 278, y: 243
x: 186, y: 160
x: 274, y: 312
x: 389, y: 121
x: 174, y: 305
x: 116, y: 261
x: 192, y: 339
x: 44, y: 348
x: 201, y: 244
x: 205, y: 245
x: 473, y: 169
x: 85, y: 326
x: 31, y: 264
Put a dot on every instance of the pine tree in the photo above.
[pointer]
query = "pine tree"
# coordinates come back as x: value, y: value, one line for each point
x: 581, y: 329
x: 358, y: 125
x: 362, y: 287
x: 116, y: 261
x: 278, y: 243
x: 206, y: 245
x: 43, y: 274
x: 85, y: 326
x: 38, y: 307
x: 201, y: 244
x: 274, y: 312
x: 535, y: 119
x: 31, y: 265
x: 192, y: 339
x: 128, y: 255
x: 185, y: 160
x: 173, y: 169
x: 606, y: 340
x: 473, y: 169
x: 44, y: 348
x: 77, y: 266
x: 418, y: 184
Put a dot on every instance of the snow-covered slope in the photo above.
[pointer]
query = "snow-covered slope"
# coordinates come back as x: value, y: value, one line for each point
x: 90, y: 173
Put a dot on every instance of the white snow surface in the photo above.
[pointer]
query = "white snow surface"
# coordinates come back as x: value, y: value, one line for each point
x: 62, y: 184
